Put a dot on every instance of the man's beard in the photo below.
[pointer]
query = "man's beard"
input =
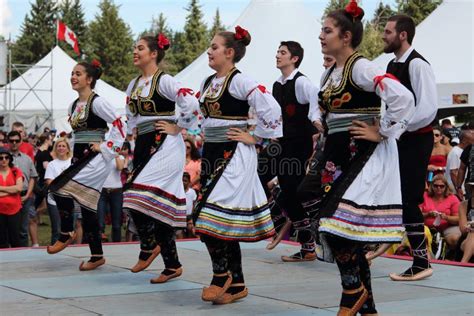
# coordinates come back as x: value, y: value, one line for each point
x: 392, y: 47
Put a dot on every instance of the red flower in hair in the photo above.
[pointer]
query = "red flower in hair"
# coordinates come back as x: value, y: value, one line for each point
x: 353, y: 9
x: 240, y: 33
x: 163, y: 41
x: 96, y: 63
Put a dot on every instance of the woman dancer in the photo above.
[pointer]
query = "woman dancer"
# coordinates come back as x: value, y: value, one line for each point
x: 356, y: 184
x: 155, y: 196
x: 82, y: 182
x: 233, y: 206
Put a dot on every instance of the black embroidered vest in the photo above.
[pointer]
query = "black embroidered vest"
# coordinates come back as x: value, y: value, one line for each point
x: 224, y: 105
x: 401, y: 70
x: 294, y: 114
x: 154, y: 104
x: 347, y: 97
x: 88, y: 120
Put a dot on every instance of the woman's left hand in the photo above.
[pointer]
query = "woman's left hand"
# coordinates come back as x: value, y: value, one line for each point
x: 362, y: 130
x: 167, y: 128
x: 239, y: 135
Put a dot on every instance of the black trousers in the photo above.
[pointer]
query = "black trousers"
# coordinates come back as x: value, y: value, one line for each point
x: 10, y: 230
x: 414, y: 151
x: 153, y: 232
x: 226, y: 256
x: 286, y: 160
x: 90, y: 223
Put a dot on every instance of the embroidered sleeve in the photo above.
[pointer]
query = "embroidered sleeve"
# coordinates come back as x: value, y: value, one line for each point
x: 267, y: 109
x: 187, y: 106
x: 400, y: 105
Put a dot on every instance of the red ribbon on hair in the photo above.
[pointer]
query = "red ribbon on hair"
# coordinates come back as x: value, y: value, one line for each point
x: 162, y: 41
x: 118, y: 123
x: 353, y: 9
x: 96, y: 63
x: 378, y: 80
x: 185, y: 91
x: 240, y: 33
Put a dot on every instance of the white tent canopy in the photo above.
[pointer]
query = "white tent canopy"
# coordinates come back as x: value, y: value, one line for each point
x: 45, y: 89
x: 269, y: 22
x: 446, y: 39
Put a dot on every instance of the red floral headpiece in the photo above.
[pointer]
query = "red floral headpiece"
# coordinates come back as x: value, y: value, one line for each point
x: 96, y: 64
x: 163, y: 41
x: 353, y: 9
x: 240, y: 33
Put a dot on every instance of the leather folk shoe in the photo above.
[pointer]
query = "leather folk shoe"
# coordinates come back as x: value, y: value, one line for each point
x: 59, y: 245
x: 162, y: 278
x: 143, y: 264
x: 228, y: 298
x: 213, y: 292
x: 300, y: 257
x: 89, y: 265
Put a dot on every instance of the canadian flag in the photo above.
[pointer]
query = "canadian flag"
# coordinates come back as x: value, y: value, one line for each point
x: 65, y: 34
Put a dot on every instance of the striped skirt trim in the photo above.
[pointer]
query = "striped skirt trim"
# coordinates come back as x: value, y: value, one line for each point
x: 86, y: 197
x: 221, y: 223
x: 156, y: 203
x: 370, y: 224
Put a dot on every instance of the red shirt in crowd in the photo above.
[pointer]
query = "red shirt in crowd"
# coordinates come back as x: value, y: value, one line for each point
x: 11, y: 203
x: 448, y: 206
x: 27, y: 149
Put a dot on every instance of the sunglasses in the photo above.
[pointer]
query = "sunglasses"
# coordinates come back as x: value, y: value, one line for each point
x: 437, y: 135
x: 4, y: 157
x: 439, y: 186
x: 14, y: 141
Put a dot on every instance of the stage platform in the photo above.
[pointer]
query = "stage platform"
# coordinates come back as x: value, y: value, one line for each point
x: 35, y: 283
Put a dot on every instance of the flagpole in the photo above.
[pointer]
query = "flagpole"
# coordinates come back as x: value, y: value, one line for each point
x: 57, y: 30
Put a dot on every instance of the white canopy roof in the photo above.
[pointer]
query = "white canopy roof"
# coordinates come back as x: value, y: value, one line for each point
x: 269, y: 22
x: 446, y: 39
x: 30, y: 94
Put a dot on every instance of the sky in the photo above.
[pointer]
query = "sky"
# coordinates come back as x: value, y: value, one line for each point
x: 139, y: 13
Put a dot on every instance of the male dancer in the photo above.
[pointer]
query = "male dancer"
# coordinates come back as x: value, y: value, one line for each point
x: 287, y: 157
x: 414, y: 146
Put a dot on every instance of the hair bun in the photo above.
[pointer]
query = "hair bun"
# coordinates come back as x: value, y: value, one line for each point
x: 354, y: 11
x: 242, y: 35
x: 98, y: 68
x: 163, y: 42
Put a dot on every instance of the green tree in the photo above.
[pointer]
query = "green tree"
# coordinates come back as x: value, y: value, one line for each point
x: 334, y: 5
x: 381, y: 15
x: 417, y: 9
x: 72, y: 14
x: 160, y: 25
x: 110, y: 41
x: 217, y: 25
x: 372, y: 44
x: 38, y: 33
x: 195, y: 37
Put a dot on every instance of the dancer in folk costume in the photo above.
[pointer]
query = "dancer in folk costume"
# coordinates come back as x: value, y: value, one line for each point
x: 232, y: 206
x: 158, y: 107
x: 356, y: 185
x: 416, y: 144
x: 82, y: 182
x: 286, y: 158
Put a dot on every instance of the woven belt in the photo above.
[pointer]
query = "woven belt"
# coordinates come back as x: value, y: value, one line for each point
x: 219, y: 134
x: 342, y: 124
x: 91, y: 136
x: 148, y: 127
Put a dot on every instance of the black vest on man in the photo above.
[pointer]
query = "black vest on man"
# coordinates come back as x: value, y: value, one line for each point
x: 401, y: 70
x: 295, y: 115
